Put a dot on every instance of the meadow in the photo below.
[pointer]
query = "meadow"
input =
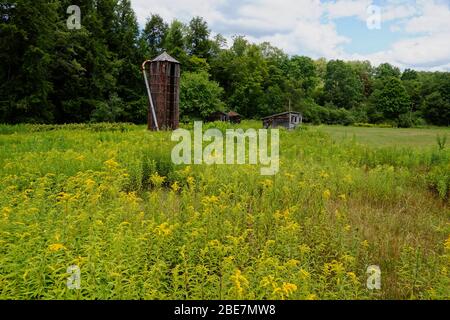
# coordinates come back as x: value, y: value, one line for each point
x: 108, y: 199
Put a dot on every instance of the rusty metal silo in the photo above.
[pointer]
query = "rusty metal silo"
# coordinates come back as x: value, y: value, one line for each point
x: 162, y: 76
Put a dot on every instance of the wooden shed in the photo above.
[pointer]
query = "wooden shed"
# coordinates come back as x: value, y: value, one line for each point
x: 231, y: 116
x: 234, y: 117
x: 218, y: 116
x: 289, y: 120
x: 163, y: 82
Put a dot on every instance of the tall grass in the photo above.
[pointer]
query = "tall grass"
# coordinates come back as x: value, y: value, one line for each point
x: 111, y: 202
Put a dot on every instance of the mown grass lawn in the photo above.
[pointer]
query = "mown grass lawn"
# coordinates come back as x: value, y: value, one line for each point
x: 379, y: 137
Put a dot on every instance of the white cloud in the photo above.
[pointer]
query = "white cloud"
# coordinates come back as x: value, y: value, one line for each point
x: 427, y: 46
x: 435, y: 18
x: 359, y: 8
x: 348, y: 8
x: 309, y: 26
x: 178, y: 9
x: 294, y: 25
x: 313, y: 39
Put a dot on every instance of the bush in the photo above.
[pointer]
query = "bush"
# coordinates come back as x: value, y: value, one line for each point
x: 199, y: 96
x: 405, y: 121
x: 316, y: 114
x: 409, y: 120
x: 109, y: 111
x: 439, y: 180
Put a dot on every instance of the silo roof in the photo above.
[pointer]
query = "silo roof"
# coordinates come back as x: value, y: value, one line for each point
x: 165, y: 57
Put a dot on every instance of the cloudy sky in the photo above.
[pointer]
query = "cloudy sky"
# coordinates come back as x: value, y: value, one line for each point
x: 411, y: 33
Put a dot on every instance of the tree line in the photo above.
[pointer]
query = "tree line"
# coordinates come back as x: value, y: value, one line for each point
x: 50, y: 74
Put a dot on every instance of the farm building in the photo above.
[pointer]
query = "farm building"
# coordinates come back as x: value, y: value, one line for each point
x: 218, y: 116
x: 162, y: 79
x: 232, y: 117
x: 289, y: 120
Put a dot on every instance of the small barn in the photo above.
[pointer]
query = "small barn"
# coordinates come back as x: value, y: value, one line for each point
x: 234, y: 117
x: 231, y: 116
x: 218, y: 116
x: 289, y: 120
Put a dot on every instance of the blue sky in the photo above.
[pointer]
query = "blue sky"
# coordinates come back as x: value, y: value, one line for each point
x: 410, y: 33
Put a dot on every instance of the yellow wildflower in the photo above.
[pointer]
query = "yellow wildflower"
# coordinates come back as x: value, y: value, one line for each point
x: 267, y: 183
x: 304, y: 249
x: 335, y: 267
x: 62, y: 196
x: 56, y: 247
x: 447, y: 243
x: 125, y: 223
x: 175, y: 187
x: 187, y: 170
x: 111, y: 164
x: 157, y: 180
x: 304, y: 274
x: 90, y: 183
x: 327, y: 194
x: 289, y: 175
x: 292, y: 263
x: 353, y: 277
x: 210, y: 200
x: 191, y: 181
x: 268, y: 281
x: 365, y: 244
x: 348, y: 179
x: 282, y: 215
x: 6, y: 211
x: 324, y: 175
x: 164, y: 229
x: 289, y: 288
x: 240, y: 282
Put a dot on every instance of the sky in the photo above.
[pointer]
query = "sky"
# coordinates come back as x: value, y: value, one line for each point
x: 406, y: 33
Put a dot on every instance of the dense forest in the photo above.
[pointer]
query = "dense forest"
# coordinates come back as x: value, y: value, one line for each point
x: 50, y: 74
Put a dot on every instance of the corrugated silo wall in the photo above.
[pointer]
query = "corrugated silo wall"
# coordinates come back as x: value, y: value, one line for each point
x: 165, y: 89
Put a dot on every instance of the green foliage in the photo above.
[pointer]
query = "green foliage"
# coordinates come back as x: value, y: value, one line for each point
x: 441, y: 141
x: 175, y: 40
x: 49, y: 74
x: 391, y: 99
x: 110, y: 111
x: 436, y: 107
x: 199, y: 95
x: 197, y: 38
x: 343, y: 87
x: 154, y: 35
x: 386, y: 70
x: 439, y: 180
x: 316, y: 114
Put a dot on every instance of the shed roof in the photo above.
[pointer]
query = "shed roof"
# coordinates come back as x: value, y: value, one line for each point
x: 165, y: 57
x: 233, y: 114
x: 282, y: 114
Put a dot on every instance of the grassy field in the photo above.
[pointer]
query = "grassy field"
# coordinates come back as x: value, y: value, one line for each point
x: 381, y: 137
x: 108, y: 199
